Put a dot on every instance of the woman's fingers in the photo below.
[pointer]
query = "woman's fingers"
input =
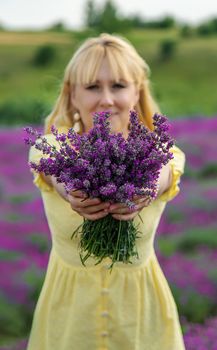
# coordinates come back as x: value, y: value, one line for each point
x: 125, y: 217
x: 80, y: 202
x: 89, y: 208
x: 95, y: 216
x: 121, y: 210
x: 141, y: 199
x: 124, y: 209
x: 118, y: 206
x: 95, y: 208
x: 124, y: 213
x: 78, y: 194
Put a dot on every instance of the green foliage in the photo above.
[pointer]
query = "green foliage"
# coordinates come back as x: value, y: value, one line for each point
x: 92, y: 15
x: 188, y: 241
x: 14, y: 319
x: 198, y: 237
x: 34, y: 278
x: 106, y: 18
x: 137, y: 21
x: 57, y: 27
x: 1, y: 27
x: 28, y: 94
x: 208, y: 28
x: 44, y: 55
x: 39, y: 241
x: 167, y: 22
x: 210, y: 170
x: 186, y: 31
x: 207, y: 171
x: 167, y: 49
x: 19, y: 112
x: 205, y: 29
x: 196, y: 308
x: 109, y: 21
x: 6, y: 255
x: 81, y: 35
x: 20, y: 198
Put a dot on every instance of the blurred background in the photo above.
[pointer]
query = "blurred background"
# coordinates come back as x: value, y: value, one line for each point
x: 180, y: 46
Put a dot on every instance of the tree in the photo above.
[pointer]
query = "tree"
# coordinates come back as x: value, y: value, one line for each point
x: 44, y: 55
x: 92, y: 15
x: 58, y: 27
x: 167, y: 49
x: 106, y: 18
x: 109, y: 19
x: 1, y: 26
x: 167, y: 22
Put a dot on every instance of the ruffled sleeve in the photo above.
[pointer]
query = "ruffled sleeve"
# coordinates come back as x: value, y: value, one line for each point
x: 34, y: 156
x: 177, y: 167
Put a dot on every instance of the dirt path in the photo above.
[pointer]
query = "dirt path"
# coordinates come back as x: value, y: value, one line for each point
x: 14, y: 38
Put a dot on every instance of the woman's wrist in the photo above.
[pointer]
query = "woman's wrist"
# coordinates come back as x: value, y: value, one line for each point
x: 59, y: 187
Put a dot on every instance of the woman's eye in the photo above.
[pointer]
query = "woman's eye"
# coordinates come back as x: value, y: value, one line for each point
x: 92, y: 87
x: 118, y: 86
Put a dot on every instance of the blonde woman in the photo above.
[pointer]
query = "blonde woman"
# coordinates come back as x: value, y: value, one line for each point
x: 89, y: 308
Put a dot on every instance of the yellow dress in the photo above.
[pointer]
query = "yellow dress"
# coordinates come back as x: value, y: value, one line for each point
x: 89, y: 308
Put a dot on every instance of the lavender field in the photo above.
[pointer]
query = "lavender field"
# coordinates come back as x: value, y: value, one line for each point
x: 186, y: 241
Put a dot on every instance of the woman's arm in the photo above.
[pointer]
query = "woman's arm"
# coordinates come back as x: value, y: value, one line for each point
x: 120, y: 211
x: 165, y: 179
x: 59, y: 187
x: 94, y: 209
x: 89, y: 208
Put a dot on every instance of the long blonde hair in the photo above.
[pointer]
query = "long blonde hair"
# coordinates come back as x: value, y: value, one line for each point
x: 125, y: 63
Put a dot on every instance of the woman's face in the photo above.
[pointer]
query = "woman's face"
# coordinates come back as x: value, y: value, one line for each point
x: 106, y: 94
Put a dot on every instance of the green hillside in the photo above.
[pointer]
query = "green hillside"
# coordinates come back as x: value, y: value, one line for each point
x: 183, y: 85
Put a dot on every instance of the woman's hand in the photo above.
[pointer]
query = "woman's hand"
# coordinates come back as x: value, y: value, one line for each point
x: 94, y: 208
x: 89, y: 208
x: 120, y: 211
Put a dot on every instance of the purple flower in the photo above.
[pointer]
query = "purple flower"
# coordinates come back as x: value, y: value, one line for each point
x: 107, y: 165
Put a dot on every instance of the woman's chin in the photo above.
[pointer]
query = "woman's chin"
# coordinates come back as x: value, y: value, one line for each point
x: 120, y: 130
x: 115, y: 130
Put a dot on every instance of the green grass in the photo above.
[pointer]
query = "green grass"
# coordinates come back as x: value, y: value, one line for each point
x: 183, y: 85
x: 6, y: 255
x: 188, y: 241
x: 19, y: 199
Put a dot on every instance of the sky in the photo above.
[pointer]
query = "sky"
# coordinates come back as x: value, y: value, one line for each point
x: 27, y: 14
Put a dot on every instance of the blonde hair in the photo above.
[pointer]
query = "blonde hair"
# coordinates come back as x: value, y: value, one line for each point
x: 83, y: 67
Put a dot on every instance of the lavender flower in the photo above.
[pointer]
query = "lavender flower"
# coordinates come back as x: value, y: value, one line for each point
x: 108, y: 166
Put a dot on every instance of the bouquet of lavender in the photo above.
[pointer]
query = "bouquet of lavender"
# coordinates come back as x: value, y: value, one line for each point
x: 109, y: 167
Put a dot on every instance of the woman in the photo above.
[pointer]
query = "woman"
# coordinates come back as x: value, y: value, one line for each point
x: 88, y: 307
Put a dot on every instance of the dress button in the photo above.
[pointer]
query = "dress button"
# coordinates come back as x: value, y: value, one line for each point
x: 105, y: 291
x: 104, y: 334
x: 107, y: 263
x: 105, y: 314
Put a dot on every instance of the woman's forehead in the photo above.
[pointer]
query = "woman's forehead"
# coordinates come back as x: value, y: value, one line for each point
x: 112, y: 73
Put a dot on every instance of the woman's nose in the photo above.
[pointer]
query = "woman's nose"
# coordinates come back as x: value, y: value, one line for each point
x: 106, y: 98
